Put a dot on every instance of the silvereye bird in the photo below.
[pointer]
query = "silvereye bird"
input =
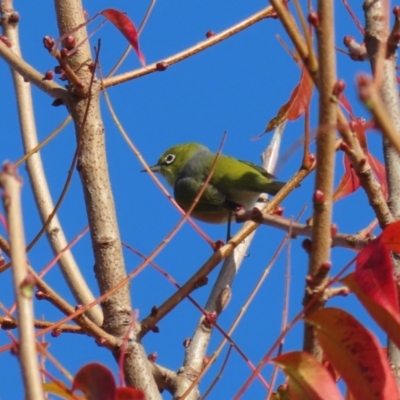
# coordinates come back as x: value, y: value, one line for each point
x: 233, y: 184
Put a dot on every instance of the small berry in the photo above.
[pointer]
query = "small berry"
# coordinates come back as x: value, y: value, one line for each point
x: 69, y: 42
x: 217, y: 245
x: 278, y: 211
x: 161, y: 66
x: 40, y: 295
x: 57, y: 102
x: 319, y: 197
x: 101, y: 341
x: 309, y: 279
x: 311, y: 158
x: 325, y: 266
x: 155, y: 329
x: 152, y: 357
x: 49, y: 75
x: 48, y: 43
x: 56, y: 332
x: 63, y: 77
x: 347, y: 40
x: 203, y: 281
x: 58, y: 69
x: 210, y: 319
x: 313, y: 18
x: 206, y: 360
x: 153, y: 311
x: 210, y: 34
x: 14, y: 18
x: 339, y: 87
x: 64, y: 52
x: 307, y: 245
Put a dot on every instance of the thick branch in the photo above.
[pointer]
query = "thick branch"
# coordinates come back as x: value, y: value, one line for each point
x: 92, y: 167
x: 319, y: 263
x: 38, y: 181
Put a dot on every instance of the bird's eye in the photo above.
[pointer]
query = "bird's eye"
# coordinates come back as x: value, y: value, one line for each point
x: 169, y: 159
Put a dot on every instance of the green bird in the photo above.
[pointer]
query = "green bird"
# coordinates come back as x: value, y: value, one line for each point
x: 234, y: 183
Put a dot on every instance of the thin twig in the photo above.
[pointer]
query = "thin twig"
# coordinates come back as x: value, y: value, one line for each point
x: 350, y: 241
x: 265, y: 13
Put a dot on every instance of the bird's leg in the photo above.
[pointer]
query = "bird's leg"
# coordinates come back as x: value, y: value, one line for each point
x: 228, y: 231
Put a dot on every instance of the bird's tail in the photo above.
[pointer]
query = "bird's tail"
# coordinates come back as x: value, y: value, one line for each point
x: 274, y: 187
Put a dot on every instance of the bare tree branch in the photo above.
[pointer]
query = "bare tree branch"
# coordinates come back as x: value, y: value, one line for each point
x: 163, y: 64
x: 39, y: 184
x: 92, y: 167
x: 11, y: 184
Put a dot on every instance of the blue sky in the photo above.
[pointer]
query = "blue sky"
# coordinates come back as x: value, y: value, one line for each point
x: 236, y: 86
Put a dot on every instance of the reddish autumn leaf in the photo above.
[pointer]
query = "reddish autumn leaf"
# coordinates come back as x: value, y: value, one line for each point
x: 297, y: 104
x: 380, y: 172
x: 349, y: 182
x: 345, y: 103
x: 356, y: 354
x: 129, y: 393
x: 388, y: 320
x: 359, y: 126
x: 391, y: 236
x: 126, y: 27
x: 96, y: 382
x: 374, y: 274
x: 307, y: 378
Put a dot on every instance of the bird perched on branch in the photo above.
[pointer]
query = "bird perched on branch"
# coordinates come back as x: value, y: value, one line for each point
x: 233, y: 184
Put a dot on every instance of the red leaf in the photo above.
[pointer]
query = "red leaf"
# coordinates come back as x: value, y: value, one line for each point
x: 298, y: 103
x: 129, y: 393
x: 345, y: 103
x: 374, y: 275
x: 391, y: 236
x: 356, y: 354
x: 349, y: 182
x: 359, y: 126
x: 126, y: 27
x: 380, y: 173
x: 308, y: 379
x: 389, y: 321
x: 96, y: 382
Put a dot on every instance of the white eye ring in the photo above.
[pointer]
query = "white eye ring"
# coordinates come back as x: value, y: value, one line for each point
x: 169, y: 159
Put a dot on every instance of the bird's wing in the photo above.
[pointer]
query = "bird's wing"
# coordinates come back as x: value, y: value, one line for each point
x: 212, y: 200
x: 261, y: 170
x: 233, y: 175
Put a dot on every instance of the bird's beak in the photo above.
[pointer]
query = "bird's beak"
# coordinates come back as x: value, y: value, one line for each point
x: 154, y: 168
